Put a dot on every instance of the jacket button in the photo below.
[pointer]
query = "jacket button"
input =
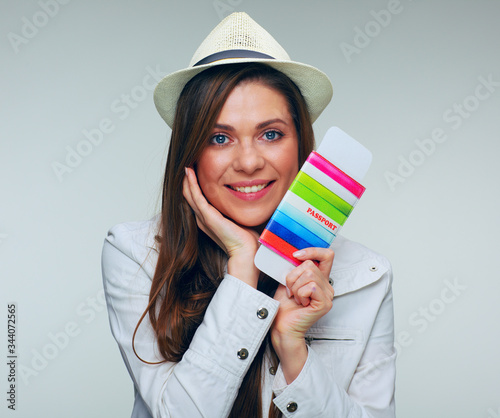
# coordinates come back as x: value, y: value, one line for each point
x: 373, y: 268
x: 330, y: 280
x: 262, y: 313
x: 243, y: 354
x: 292, y: 407
x: 272, y: 370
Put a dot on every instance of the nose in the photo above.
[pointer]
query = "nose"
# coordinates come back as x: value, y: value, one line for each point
x: 248, y: 158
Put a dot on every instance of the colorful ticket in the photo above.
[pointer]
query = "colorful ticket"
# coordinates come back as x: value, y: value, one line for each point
x: 316, y: 205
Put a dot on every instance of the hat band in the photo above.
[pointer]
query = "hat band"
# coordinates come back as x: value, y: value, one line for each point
x: 232, y: 53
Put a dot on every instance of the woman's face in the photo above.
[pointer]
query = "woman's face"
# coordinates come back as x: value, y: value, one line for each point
x: 252, y: 155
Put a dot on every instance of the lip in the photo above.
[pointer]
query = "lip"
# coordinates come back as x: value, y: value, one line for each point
x: 249, y: 183
x: 250, y: 196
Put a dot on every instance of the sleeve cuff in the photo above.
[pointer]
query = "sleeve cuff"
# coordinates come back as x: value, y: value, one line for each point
x: 235, y: 324
x: 279, y: 382
x: 310, y: 393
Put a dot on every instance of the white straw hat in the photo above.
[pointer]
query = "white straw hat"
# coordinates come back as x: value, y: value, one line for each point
x: 238, y: 38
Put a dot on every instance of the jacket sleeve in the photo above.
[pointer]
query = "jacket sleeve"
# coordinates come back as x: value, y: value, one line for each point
x: 315, y: 393
x: 205, y: 382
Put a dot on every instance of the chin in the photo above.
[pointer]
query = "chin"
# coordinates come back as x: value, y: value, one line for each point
x: 256, y: 223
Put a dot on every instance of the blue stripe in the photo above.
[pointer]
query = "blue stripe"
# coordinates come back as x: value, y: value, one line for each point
x: 286, y: 235
x: 308, y: 222
x: 299, y: 230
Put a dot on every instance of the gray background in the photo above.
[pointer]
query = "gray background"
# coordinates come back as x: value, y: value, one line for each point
x: 68, y: 72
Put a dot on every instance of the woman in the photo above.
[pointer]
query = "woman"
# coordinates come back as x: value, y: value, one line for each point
x: 202, y: 332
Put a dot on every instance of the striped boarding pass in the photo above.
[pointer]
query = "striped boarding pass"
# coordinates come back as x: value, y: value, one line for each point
x: 316, y: 205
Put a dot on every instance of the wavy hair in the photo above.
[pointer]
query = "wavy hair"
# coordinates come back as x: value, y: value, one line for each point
x: 190, y: 265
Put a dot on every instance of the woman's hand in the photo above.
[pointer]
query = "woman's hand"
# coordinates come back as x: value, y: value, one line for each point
x: 239, y: 243
x: 311, y: 297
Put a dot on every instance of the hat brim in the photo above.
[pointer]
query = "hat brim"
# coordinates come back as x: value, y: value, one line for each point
x: 314, y: 85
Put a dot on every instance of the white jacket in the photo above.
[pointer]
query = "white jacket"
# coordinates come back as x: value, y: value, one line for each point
x: 350, y: 369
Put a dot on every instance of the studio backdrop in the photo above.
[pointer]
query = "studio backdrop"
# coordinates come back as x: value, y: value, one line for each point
x: 83, y: 148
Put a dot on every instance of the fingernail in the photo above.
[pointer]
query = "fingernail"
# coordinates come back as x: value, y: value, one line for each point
x: 299, y: 253
x: 288, y: 293
x: 186, y: 170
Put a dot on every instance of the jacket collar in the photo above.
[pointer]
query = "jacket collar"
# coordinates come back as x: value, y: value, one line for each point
x: 355, y: 266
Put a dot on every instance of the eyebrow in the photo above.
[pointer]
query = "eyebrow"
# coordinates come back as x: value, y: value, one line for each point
x: 259, y: 126
x: 270, y: 122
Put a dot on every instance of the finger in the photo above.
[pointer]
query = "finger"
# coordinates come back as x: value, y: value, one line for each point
x: 193, y: 193
x: 314, y: 295
x: 304, y: 274
x: 188, y: 195
x: 187, y: 189
x: 301, y: 275
x: 324, y: 256
x: 232, y: 238
x: 204, y: 210
x: 305, y: 293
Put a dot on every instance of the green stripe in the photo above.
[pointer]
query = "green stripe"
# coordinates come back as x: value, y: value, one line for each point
x: 325, y: 193
x: 321, y: 204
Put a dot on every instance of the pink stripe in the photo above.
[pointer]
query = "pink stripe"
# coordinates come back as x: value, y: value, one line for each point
x: 336, y: 174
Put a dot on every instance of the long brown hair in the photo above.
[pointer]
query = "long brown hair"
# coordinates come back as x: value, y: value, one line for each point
x: 190, y: 265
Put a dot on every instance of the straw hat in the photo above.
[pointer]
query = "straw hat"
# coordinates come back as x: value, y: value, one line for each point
x: 238, y: 38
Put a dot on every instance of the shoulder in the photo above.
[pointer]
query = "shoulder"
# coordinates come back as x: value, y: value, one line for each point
x: 356, y: 266
x: 135, y: 240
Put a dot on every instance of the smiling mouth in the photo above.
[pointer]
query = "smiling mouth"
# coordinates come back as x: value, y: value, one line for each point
x: 249, y: 189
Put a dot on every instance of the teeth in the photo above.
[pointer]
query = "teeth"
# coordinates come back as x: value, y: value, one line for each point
x: 251, y: 189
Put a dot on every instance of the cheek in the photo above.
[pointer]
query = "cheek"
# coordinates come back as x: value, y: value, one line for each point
x: 289, y: 164
x: 208, y: 171
x: 292, y: 165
